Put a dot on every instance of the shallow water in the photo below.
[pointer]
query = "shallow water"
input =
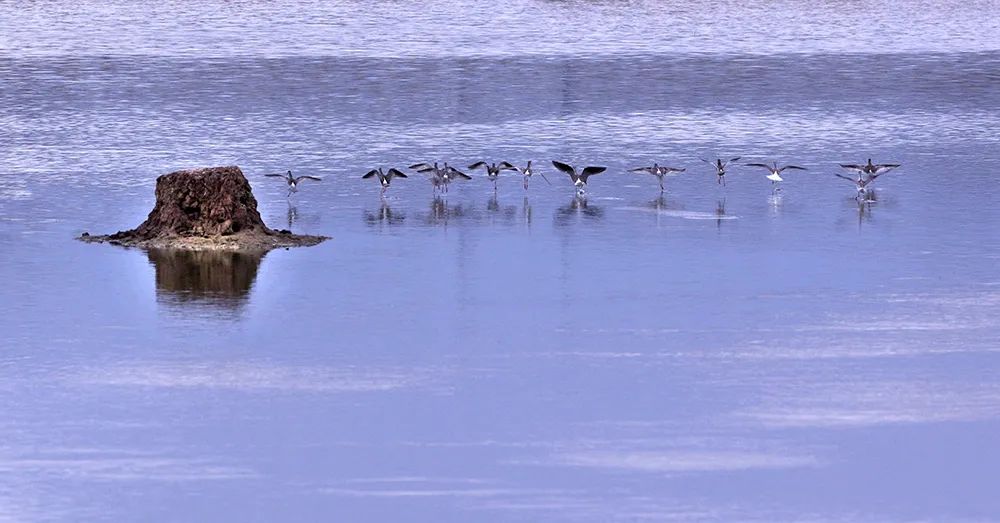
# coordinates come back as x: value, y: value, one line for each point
x: 711, y: 354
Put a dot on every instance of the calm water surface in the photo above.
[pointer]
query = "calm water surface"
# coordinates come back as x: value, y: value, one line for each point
x: 712, y: 354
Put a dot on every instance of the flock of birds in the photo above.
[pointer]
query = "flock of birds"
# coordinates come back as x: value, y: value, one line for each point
x: 441, y: 175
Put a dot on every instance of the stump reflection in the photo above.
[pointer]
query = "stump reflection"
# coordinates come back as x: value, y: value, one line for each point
x: 214, y: 278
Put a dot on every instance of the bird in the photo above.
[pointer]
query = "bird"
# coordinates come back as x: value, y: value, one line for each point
x: 293, y: 181
x: 384, y: 178
x: 720, y: 168
x: 493, y: 170
x: 775, y: 172
x: 870, y: 169
x: 527, y: 171
x: 579, y: 180
x: 658, y: 171
x: 440, y: 176
x: 862, y: 183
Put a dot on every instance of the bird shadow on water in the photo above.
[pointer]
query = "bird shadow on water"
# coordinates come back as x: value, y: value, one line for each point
x: 384, y: 215
x: 441, y: 212
x: 578, y: 207
x: 217, y: 280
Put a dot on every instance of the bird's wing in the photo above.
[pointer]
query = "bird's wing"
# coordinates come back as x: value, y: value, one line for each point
x: 708, y: 162
x: 477, y: 165
x: 564, y: 167
x: 307, y: 177
x: 371, y: 173
x: 276, y: 175
x: 675, y: 170
x: 844, y: 176
x: 794, y: 167
x: 852, y: 166
x: 507, y: 166
x: 544, y: 178
x: 885, y: 167
x: 642, y: 170
x: 460, y: 174
x: 733, y: 159
x: 397, y: 173
x: 764, y: 165
x: 421, y: 167
x: 590, y: 171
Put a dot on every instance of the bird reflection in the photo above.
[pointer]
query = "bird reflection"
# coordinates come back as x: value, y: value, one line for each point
x: 659, y: 205
x: 865, y: 209
x: 774, y: 202
x: 293, y: 214
x: 578, y: 206
x: 219, y: 279
x: 526, y: 211
x: 441, y: 212
x: 720, y: 212
x: 384, y: 215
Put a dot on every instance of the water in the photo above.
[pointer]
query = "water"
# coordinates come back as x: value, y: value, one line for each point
x: 714, y: 354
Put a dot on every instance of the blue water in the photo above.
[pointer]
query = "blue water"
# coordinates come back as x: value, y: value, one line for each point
x: 714, y: 353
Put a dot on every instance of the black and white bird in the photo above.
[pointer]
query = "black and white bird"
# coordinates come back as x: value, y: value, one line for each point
x: 441, y: 177
x: 658, y: 171
x: 493, y: 170
x: 870, y: 169
x: 528, y: 172
x: 293, y: 181
x: 579, y: 180
x: 384, y: 178
x: 774, y: 172
x: 862, y: 184
x: 720, y: 168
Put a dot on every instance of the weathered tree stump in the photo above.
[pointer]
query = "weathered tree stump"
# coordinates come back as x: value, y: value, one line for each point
x: 210, y: 208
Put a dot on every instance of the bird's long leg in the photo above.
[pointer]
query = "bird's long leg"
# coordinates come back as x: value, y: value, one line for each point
x: 525, y: 183
x: 661, y: 185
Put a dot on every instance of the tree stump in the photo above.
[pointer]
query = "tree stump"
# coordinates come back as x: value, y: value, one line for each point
x: 211, y: 208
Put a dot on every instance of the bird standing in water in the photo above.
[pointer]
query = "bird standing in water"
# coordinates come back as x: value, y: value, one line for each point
x: 720, y: 168
x: 493, y: 170
x: 658, y: 171
x: 775, y: 172
x: 865, y: 193
x: 293, y: 181
x: 384, y: 178
x: 440, y: 176
x: 527, y: 172
x: 579, y: 180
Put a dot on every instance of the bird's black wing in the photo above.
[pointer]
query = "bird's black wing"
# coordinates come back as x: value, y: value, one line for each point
x: 590, y: 171
x: 371, y: 173
x: 478, y: 165
x: 397, y: 173
x: 564, y: 167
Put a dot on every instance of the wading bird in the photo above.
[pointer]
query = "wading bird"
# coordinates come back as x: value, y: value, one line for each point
x: 775, y: 172
x: 493, y: 170
x: 293, y: 181
x: 384, y: 178
x: 720, y: 168
x: 579, y: 180
x: 862, y: 183
x: 870, y: 169
x: 659, y: 172
x: 528, y: 172
x: 440, y: 176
